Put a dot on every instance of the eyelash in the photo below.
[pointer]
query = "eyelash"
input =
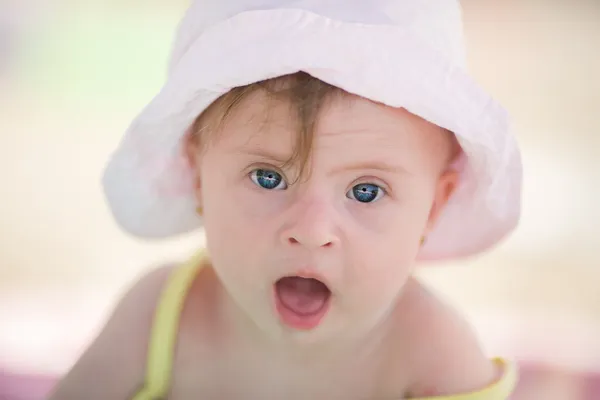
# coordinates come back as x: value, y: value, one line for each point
x: 266, y: 167
x: 372, y: 181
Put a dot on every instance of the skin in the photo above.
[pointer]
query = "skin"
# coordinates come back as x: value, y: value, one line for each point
x: 385, y: 336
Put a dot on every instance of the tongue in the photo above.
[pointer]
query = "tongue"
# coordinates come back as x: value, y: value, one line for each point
x: 302, y: 296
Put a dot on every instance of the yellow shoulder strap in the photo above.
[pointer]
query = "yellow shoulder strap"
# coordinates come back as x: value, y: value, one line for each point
x: 499, y: 390
x: 159, y: 364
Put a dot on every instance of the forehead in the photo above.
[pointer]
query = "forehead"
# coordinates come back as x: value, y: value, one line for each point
x: 346, y: 125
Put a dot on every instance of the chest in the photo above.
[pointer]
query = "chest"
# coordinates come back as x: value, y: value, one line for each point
x: 239, y: 375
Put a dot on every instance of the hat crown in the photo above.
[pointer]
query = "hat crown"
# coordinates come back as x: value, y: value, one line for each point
x: 401, y: 53
x: 436, y: 23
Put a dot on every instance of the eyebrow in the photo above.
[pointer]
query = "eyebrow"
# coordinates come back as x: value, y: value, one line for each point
x: 371, y: 165
x: 267, y: 155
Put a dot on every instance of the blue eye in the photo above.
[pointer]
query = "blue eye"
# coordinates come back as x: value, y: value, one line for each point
x: 268, y: 179
x: 365, y: 193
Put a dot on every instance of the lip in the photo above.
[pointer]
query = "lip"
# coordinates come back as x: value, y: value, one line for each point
x: 293, y: 319
x: 307, y: 274
x: 297, y: 321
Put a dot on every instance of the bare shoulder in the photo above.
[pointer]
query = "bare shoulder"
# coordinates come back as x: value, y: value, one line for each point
x: 113, y: 366
x: 446, y: 356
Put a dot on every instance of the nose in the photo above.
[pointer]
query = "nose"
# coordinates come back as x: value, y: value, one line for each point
x: 312, y: 225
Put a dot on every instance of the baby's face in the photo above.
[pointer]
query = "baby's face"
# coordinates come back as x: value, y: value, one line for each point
x: 375, y: 182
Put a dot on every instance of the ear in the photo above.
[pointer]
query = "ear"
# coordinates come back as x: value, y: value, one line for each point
x: 445, y: 187
x: 191, y: 149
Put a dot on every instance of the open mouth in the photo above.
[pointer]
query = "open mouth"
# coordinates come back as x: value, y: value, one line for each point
x: 301, y: 302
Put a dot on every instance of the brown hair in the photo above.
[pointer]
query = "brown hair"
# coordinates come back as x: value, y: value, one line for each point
x: 305, y: 94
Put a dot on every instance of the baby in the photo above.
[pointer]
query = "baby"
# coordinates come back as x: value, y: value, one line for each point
x: 326, y: 147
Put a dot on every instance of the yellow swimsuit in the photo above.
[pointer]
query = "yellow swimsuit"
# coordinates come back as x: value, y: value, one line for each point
x: 164, y: 334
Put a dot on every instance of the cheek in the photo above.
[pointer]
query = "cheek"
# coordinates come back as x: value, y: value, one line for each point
x: 236, y: 222
x: 373, y: 291
x: 391, y: 233
x: 383, y: 249
x: 385, y: 268
x: 233, y: 242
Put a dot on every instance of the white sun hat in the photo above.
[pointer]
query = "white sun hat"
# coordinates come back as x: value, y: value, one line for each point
x: 402, y: 53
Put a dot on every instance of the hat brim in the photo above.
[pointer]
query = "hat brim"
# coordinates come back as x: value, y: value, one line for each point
x: 148, y: 183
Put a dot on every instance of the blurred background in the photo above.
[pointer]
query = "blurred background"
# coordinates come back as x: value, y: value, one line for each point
x: 73, y: 73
